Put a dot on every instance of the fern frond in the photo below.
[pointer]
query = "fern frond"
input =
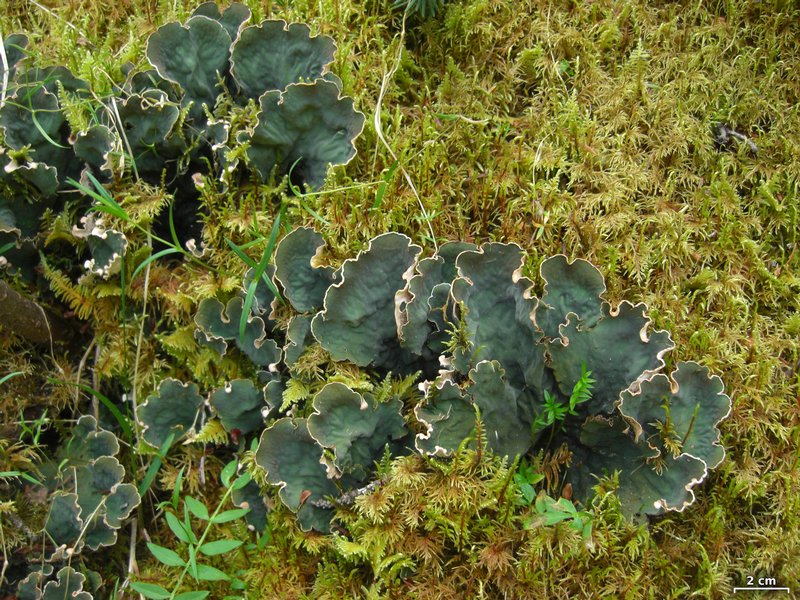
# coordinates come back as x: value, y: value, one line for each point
x: 296, y: 391
x: 211, y: 433
x: 78, y: 297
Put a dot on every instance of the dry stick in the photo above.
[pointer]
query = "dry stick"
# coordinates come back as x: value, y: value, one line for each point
x: 81, y: 366
x: 3, y: 541
x: 132, y: 565
x: 533, y: 174
x: 379, y: 130
x: 96, y: 380
x: 118, y: 124
x: 4, y: 60
x: 60, y: 18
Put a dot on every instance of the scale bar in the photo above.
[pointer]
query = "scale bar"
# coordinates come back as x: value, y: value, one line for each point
x: 761, y: 589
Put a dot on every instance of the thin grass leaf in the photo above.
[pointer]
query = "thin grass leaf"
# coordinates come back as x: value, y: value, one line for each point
x: 252, y: 243
x: 106, y: 203
x: 384, y: 184
x: 43, y: 132
x: 150, y: 590
x: 123, y: 309
x: 172, y: 231
x: 238, y: 252
x: 10, y: 376
x: 122, y: 420
x: 176, y: 492
x: 25, y: 476
x: 314, y: 213
x: 152, y: 470
x: 258, y: 274
x: 294, y: 189
x: 156, y: 256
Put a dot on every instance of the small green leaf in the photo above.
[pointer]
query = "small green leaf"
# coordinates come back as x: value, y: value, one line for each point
x: 587, y: 531
x: 156, y: 256
x: 551, y: 518
x: 188, y: 526
x: 193, y: 562
x: 238, y: 584
x: 192, y: 596
x: 382, y: 187
x: 565, y: 505
x: 197, y: 508
x: 219, y: 547
x: 527, y: 492
x: 150, y: 590
x: 242, y: 481
x: 543, y: 503
x: 152, y: 470
x: 176, y: 492
x: 230, y: 515
x: 177, y: 528
x: 228, y: 472
x: 166, y: 556
x: 206, y: 573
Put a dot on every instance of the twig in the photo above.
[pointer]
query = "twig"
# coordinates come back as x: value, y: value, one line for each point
x: 140, y: 339
x: 4, y: 60
x: 379, y: 130
x: 81, y: 366
x: 3, y: 542
x: 133, y: 567
x: 60, y: 18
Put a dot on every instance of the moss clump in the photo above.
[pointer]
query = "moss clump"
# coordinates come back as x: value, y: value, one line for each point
x: 579, y: 128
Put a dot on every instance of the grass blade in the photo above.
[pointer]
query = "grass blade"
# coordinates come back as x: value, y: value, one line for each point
x: 152, y: 470
x: 151, y: 258
x: 123, y: 420
x: 6, y: 247
x: 10, y: 376
x: 384, y: 184
x: 237, y: 250
x: 106, y: 203
x: 260, y: 269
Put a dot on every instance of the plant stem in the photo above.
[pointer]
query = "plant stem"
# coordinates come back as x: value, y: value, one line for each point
x: 201, y: 540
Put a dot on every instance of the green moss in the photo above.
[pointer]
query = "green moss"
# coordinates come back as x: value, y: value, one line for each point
x: 572, y: 127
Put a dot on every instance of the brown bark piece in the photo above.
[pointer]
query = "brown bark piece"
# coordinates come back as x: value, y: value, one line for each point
x: 29, y: 320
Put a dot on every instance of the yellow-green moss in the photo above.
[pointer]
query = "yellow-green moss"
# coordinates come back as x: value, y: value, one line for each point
x: 578, y: 127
